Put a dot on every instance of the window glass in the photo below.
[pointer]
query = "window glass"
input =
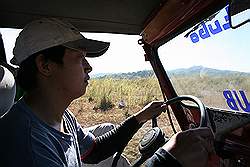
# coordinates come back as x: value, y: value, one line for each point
x: 211, y: 61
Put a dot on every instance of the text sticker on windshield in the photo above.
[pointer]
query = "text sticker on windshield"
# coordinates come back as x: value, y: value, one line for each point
x: 237, y: 100
x: 211, y: 29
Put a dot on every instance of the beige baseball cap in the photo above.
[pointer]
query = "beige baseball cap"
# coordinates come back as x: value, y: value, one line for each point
x: 49, y: 32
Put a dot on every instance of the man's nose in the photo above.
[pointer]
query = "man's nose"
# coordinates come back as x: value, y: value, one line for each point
x: 87, y: 67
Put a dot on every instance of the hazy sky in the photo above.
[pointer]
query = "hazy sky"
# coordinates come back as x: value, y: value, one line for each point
x: 228, y: 49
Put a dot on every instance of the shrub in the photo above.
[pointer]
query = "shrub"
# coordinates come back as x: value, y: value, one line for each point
x: 105, y: 104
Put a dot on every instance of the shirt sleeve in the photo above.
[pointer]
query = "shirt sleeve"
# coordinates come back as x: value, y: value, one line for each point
x: 162, y: 158
x: 112, y: 141
x: 86, y: 140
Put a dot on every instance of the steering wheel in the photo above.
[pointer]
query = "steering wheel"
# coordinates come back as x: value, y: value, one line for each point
x: 203, y: 118
x: 155, y: 137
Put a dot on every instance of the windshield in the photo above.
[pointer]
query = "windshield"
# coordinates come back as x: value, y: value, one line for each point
x: 211, y: 61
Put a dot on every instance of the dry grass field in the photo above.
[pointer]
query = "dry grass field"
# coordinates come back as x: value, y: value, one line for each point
x: 100, y: 103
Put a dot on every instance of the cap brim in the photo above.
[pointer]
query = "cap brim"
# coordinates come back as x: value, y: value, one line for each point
x: 93, y: 48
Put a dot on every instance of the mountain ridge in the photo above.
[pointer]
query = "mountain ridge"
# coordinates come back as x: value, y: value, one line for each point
x: 191, y: 71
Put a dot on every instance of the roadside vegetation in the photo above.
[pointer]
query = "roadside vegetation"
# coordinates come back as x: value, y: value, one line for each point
x: 114, y: 99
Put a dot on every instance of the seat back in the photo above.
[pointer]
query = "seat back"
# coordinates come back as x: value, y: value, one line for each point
x: 7, y: 90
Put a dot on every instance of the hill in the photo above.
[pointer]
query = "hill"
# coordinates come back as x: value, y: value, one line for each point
x: 200, y: 70
x: 192, y: 71
x: 130, y: 75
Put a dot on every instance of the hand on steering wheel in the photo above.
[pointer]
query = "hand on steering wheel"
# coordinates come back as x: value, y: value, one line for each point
x: 193, y: 146
x: 186, y: 146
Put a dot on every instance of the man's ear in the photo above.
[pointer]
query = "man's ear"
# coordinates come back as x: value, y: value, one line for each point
x: 44, y: 67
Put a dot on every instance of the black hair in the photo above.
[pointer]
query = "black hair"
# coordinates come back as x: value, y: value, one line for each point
x: 27, y: 72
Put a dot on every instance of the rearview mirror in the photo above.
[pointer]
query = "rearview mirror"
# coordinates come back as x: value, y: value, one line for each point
x: 239, y: 13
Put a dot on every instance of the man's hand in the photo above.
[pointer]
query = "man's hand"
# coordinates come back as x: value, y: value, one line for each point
x: 192, y: 147
x: 150, y: 111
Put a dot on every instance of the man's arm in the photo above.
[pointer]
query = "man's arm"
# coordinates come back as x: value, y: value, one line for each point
x: 112, y: 141
x: 191, y: 148
x: 116, y: 139
x: 161, y: 158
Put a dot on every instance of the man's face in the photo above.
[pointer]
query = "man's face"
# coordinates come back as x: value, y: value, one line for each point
x: 72, y: 76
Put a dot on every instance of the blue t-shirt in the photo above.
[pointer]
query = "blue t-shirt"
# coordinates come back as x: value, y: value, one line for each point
x: 39, y: 144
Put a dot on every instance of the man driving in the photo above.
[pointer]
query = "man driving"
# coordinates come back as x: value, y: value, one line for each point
x: 39, y: 130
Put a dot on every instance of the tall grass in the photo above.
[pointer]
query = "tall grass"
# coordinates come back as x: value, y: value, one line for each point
x: 134, y: 92
x: 210, y: 88
x: 106, y: 93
